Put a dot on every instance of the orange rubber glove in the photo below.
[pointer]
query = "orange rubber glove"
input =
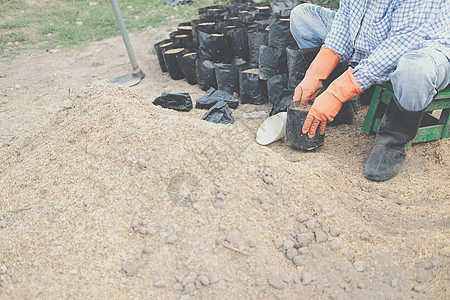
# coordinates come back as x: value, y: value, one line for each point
x: 327, y: 105
x: 321, y: 67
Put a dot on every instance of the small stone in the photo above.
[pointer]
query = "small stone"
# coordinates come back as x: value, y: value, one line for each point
x: 394, y: 282
x: 251, y: 243
x: 326, y: 228
x: 336, y: 231
x: 142, y: 230
x: 422, y: 276
x: 428, y: 265
x: 3, y: 269
x: 268, y: 179
x: 288, y: 244
x: 302, y: 250
x: 234, y: 237
x: 213, y: 278
x: 73, y: 271
x: 306, y: 278
x: 122, y: 286
x: 130, y: 268
x: 17, y: 86
x: 190, y: 287
x: 219, y: 204
x: 364, y: 236
x: 147, y: 250
x: 301, y: 217
x: 185, y: 297
x: 159, y: 283
x: 203, y: 279
x: 311, y: 224
x: 350, y: 254
x: 79, y: 23
x: 298, y: 260
x: 303, y: 239
x: 335, y: 245
x: 361, y: 285
x: 320, y: 236
x: 221, y: 190
x: 278, y: 242
x: 163, y: 234
x: 172, y: 238
x: 418, y: 289
x: 290, y: 253
x: 190, y: 278
x: 67, y: 104
x: 276, y: 281
x: 286, y: 277
x: 359, y: 265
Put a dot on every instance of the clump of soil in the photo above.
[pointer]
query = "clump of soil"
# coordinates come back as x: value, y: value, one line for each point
x: 212, y: 213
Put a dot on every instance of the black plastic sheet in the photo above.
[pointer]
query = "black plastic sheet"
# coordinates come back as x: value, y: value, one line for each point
x: 220, y: 113
x: 206, y: 75
x: 176, y: 101
x: 213, y: 96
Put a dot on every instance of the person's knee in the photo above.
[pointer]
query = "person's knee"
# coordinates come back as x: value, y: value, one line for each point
x: 419, y: 68
x: 301, y: 11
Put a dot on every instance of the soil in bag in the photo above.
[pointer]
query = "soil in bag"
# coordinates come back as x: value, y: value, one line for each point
x: 206, y: 75
x: 214, y: 47
x: 279, y: 33
x: 272, y: 61
x: 186, y: 60
x: 275, y: 87
x: 220, y: 113
x: 176, y: 101
x: 160, y: 47
x: 251, y: 87
x: 170, y: 57
x: 203, y: 25
x: 181, y: 38
x: 294, y: 137
x: 185, y: 27
x: 216, y: 12
x: 255, y: 40
x: 227, y: 76
x: 296, y: 67
x: 213, y: 96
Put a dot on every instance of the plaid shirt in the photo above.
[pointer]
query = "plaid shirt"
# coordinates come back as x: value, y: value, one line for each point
x: 376, y: 33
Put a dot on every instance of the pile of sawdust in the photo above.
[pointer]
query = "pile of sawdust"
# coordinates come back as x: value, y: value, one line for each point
x: 115, y: 179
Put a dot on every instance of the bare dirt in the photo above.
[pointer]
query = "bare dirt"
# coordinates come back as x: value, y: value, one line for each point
x: 104, y: 195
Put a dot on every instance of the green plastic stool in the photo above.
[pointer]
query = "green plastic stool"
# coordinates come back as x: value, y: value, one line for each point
x: 430, y: 128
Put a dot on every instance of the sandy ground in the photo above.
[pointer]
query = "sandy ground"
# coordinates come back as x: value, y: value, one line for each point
x: 103, y: 195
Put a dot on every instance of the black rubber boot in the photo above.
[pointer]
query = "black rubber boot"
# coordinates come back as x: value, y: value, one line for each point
x: 397, y: 128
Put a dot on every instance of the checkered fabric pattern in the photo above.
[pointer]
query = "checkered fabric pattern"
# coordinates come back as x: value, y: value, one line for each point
x: 376, y: 33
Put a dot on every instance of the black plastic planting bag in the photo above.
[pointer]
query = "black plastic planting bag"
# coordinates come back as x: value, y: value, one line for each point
x: 296, y: 67
x: 255, y: 40
x: 272, y: 61
x: 186, y: 60
x: 279, y: 33
x: 160, y: 47
x: 177, y: 101
x: 251, y: 87
x: 203, y: 25
x: 206, y: 75
x: 275, y: 87
x: 185, y: 27
x: 213, y: 96
x: 216, y: 12
x: 170, y: 57
x: 283, y: 102
x: 183, y: 39
x: 214, y: 47
x: 238, y: 42
x: 227, y: 76
x: 220, y: 113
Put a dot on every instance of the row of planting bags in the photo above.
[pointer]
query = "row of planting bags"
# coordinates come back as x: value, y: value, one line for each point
x: 243, y: 49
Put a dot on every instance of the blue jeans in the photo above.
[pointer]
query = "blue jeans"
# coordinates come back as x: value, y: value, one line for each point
x: 419, y: 75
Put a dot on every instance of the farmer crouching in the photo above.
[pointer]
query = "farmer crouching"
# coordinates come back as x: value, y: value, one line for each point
x: 404, y: 41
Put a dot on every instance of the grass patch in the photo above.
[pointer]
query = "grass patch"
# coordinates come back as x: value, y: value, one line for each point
x: 50, y: 24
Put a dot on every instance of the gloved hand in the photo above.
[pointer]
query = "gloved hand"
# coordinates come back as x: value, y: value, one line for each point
x: 327, y: 105
x: 321, y: 67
